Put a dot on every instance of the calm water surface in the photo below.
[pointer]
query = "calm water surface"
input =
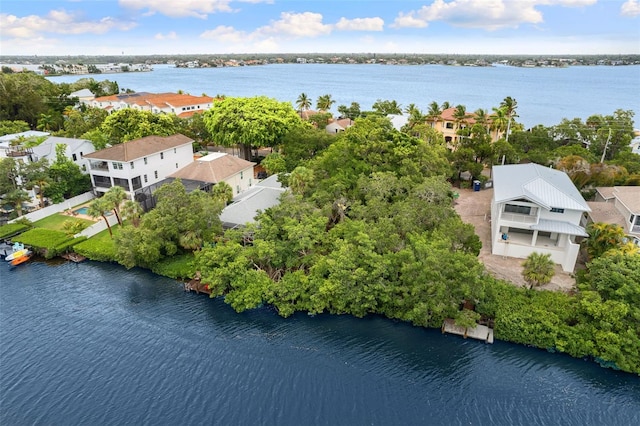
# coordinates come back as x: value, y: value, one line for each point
x: 544, y: 95
x: 95, y: 344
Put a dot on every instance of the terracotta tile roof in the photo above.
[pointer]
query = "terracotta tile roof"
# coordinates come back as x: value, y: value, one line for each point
x: 448, y: 115
x: 132, y: 150
x: 213, y: 168
x: 160, y: 100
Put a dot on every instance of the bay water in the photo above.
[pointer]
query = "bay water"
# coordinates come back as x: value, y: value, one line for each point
x: 96, y: 344
x: 544, y: 95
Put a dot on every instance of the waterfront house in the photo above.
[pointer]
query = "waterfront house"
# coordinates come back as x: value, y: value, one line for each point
x: 447, y: 124
x: 75, y: 149
x: 219, y: 167
x: 246, y: 205
x: 536, y: 209
x: 138, y: 164
x: 182, y: 105
x: 619, y: 205
x: 13, y: 145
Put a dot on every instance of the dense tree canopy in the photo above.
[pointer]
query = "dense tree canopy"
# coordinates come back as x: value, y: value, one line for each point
x: 250, y: 122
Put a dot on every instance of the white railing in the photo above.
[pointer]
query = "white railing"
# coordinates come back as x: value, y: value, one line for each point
x: 57, y: 208
x: 520, y: 218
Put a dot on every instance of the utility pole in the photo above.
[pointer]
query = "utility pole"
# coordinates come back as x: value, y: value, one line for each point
x: 604, y: 152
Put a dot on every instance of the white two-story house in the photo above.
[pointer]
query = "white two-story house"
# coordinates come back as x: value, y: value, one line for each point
x: 536, y: 209
x: 140, y: 163
x: 74, y: 150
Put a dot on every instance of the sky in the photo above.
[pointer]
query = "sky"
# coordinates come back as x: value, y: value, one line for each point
x: 147, y: 27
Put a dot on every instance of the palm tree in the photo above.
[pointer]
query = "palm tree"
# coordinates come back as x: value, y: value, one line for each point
x: 114, y: 197
x: 509, y: 105
x: 434, y: 113
x: 603, y: 237
x: 415, y: 115
x: 97, y: 209
x: 303, y: 103
x: 538, y: 269
x: 460, y: 116
x: 46, y: 122
x: 324, y: 103
x: 481, y: 117
x: 445, y: 105
x: 132, y: 210
x: 499, y: 120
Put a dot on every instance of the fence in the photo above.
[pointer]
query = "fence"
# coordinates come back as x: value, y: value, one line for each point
x: 57, y: 208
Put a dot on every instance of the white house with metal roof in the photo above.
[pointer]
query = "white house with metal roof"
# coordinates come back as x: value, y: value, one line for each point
x: 75, y: 150
x: 536, y: 209
x: 246, y: 206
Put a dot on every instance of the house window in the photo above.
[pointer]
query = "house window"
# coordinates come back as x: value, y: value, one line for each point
x: 162, y: 155
x: 176, y: 165
x: 81, y: 154
x: 131, y: 164
x: 145, y: 179
x: 135, y: 183
x: 240, y: 175
x: 449, y: 126
x: 556, y: 210
x: 117, y: 166
x: 124, y: 183
x: 155, y: 174
x: 631, y: 219
x: 74, y: 157
x: 175, y: 150
x: 512, y: 208
x: 237, y: 189
x: 145, y: 161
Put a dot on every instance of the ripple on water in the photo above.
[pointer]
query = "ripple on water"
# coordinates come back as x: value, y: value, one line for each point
x: 97, y: 344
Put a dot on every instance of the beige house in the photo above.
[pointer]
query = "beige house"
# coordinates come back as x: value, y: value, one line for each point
x: 219, y: 167
x: 181, y: 105
x: 618, y: 205
x: 447, y: 125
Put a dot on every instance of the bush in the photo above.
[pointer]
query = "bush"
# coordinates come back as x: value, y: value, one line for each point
x: 95, y: 249
x: 176, y: 267
x: 48, y: 242
x: 11, y: 229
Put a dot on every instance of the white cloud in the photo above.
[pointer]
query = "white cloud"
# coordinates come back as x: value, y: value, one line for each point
x: 225, y: 34
x: 485, y: 14
x: 296, y: 25
x: 58, y: 22
x: 169, y: 36
x: 179, y: 8
x: 360, y: 24
x: 630, y: 8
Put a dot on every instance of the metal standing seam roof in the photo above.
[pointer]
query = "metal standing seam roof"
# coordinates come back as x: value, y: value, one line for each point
x: 559, y: 227
x: 245, y: 206
x: 542, y: 185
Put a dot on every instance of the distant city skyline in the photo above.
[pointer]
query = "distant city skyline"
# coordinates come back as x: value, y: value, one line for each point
x: 147, y: 27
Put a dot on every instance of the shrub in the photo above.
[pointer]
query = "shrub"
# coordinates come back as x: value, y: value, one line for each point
x: 46, y: 241
x: 176, y: 267
x: 11, y: 229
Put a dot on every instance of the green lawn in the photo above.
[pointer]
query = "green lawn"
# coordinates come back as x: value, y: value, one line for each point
x: 56, y: 222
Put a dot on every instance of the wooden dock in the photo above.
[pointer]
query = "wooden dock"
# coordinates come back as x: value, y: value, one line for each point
x: 479, y: 332
x: 197, y: 286
x: 74, y: 257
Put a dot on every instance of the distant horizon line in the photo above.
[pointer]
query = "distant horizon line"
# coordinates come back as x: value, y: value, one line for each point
x: 332, y: 53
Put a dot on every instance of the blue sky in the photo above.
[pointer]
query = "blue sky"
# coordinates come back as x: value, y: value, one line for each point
x: 105, y: 27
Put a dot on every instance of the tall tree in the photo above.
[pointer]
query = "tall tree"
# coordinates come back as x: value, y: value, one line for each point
x: 324, y: 103
x: 603, y: 237
x: 434, y: 113
x: 129, y: 124
x: 98, y: 208
x: 509, y: 105
x: 250, y: 122
x: 114, y: 198
x: 303, y: 103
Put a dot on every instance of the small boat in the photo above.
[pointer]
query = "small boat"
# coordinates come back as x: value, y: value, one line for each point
x: 16, y: 254
x: 21, y: 259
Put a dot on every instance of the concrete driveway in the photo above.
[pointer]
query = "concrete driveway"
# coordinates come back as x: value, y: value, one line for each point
x: 475, y: 208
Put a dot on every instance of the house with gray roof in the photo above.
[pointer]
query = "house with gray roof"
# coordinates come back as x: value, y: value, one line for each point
x: 536, y: 209
x: 75, y: 150
x: 619, y: 205
x: 246, y: 206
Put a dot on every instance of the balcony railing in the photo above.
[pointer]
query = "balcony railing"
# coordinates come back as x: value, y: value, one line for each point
x: 100, y: 166
x: 519, y: 218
